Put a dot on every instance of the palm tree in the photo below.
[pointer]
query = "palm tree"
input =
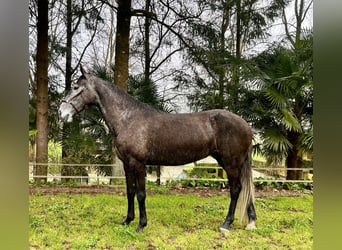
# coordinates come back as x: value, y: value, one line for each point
x: 283, y: 105
x: 146, y: 91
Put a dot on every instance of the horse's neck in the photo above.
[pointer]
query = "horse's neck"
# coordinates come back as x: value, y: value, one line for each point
x: 115, y: 107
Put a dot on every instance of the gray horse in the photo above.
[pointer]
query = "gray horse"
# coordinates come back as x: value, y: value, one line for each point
x: 143, y: 135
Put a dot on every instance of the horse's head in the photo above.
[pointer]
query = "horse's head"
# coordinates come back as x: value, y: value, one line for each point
x: 81, y: 94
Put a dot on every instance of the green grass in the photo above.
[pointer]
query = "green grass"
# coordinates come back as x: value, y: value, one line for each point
x: 82, y: 221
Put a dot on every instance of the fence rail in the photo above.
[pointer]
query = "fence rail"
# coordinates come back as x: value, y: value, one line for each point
x: 98, y: 177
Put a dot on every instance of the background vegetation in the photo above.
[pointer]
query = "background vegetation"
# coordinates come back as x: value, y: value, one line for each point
x: 252, y: 57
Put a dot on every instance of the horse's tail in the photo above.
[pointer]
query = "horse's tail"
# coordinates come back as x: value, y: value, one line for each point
x: 246, y: 196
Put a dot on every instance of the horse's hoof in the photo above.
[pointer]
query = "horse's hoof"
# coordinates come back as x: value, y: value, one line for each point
x: 224, y: 230
x: 250, y: 226
x: 139, y: 229
x: 126, y: 222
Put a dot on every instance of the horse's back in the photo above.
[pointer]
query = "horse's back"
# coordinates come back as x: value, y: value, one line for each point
x: 181, y: 138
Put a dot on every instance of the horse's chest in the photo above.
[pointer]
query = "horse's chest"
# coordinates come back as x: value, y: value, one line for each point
x: 131, y: 146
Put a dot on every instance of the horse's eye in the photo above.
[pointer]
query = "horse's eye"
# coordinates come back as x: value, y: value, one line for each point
x: 75, y: 87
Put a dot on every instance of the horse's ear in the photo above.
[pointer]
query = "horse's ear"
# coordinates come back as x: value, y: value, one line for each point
x: 83, y: 71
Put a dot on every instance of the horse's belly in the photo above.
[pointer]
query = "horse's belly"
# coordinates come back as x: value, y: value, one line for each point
x: 180, y: 139
x: 172, y: 155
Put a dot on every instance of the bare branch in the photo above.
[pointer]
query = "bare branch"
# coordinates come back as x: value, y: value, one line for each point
x: 155, y: 68
x: 307, y: 9
x: 110, y: 5
x: 90, y: 41
x: 187, y: 44
x: 142, y: 12
x: 288, y: 35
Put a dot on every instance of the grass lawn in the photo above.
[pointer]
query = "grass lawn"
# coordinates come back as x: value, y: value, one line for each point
x: 183, y: 221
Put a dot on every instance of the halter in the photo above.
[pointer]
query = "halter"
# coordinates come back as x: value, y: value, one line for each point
x: 70, y: 99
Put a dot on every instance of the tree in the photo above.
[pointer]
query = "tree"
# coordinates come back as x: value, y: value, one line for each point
x: 66, y: 48
x: 147, y: 68
x: 224, y: 32
x: 156, y: 42
x: 123, y: 27
x: 302, y: 47
x: 76, y: 12
x: 51, y: 129
x: 42, y: 89
x: 222, y: 45
x: 283, y: 107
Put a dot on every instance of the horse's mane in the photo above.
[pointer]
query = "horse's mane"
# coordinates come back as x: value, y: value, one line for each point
x: 127, y: 99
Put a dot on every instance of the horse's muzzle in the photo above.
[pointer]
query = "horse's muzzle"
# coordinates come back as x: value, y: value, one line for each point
x: 65, y: 112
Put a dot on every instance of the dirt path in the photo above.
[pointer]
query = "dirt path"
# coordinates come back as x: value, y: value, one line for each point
x: 120, y: 190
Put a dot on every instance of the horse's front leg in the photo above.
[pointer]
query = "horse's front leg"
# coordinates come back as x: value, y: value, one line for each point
x: 130, y: 189
x: 141, y: 196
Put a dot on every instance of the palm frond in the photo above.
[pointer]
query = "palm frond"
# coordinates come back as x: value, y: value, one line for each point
x: 289, y: 120
x: 307, y: 141
x: 276, y: 99
x: 275, y: 142
x: 284, y: 66
x: 257, y: 149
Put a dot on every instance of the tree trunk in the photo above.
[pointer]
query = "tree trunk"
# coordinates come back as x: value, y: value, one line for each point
x: 223, y: 70
x: 147, y: 25
x: 42, y: 89
x: 158, y: 175
x: 68, y: 57
x: 122, y: 44
x: 294, y: 158
x: 67, y: 170
x: 110, y: 49
x: 123, y: 24
x: 236, y: 66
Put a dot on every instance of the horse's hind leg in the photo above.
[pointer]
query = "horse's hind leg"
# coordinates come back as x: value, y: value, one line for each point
x: 251, y: 217
x: 235, y: 188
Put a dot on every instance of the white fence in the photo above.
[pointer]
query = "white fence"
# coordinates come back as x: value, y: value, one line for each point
x: 168, y: 173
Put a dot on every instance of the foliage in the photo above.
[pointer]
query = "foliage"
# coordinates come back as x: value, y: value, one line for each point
x: 32, y: 132
x: 197, y: 183
x: 215, y: 67
x: 221, y: 50
x: 53, y: 119
x: 261, y: 183
x: 280, y: 184
x: 86, y: 141
x: 84, y: 221
x: 286, y: 91
x: 146, y: 92
x: 199, y: 172
x: 194, y: 176
x: 283, y: 103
